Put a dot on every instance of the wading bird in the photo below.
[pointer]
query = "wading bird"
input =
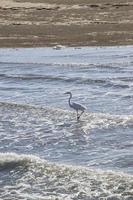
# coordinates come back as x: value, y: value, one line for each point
x: 75, y: 106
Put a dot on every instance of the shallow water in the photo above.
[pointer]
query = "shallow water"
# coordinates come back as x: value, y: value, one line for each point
x: 50, y: 154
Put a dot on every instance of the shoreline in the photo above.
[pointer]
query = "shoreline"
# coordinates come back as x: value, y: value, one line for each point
x: 65, y: 47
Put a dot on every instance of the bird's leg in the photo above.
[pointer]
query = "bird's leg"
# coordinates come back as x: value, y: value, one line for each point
x: 80, y: 114
x: 77, y: 115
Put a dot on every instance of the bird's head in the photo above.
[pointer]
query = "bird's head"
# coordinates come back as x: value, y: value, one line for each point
x: 69, y: 94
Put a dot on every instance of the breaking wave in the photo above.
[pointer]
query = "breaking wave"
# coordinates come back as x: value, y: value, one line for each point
x: 89, y: 120
x: 34, y: 178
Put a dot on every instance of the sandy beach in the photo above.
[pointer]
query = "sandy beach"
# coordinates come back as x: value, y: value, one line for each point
x: 25, y: 23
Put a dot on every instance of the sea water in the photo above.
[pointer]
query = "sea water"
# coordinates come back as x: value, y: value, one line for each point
x: 45, y: 153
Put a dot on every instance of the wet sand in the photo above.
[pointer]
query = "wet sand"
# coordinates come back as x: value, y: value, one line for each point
x: 25, y: 23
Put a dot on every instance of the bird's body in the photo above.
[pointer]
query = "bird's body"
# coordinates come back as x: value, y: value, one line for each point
x: 76, y: 106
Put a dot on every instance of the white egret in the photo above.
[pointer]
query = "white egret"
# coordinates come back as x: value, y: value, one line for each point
x: 75, y: 106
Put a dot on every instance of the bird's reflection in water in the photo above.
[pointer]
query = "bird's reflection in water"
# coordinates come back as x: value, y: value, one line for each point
x: 73, y: 132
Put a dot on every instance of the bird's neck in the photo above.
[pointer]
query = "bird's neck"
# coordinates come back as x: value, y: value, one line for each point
x: 69, y: 100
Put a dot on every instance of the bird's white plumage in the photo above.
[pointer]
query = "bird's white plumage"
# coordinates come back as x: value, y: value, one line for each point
x: 78, y: 106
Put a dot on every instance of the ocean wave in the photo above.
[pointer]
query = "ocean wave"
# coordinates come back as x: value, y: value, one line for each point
x: 111, y: 65
x: 45, y: 180
x: 10, y: 160
x: 89, y: 120
x: 76, y: 80
x: 53, y: 133
x: 32, y: 77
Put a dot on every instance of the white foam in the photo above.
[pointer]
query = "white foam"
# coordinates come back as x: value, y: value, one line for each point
x: 44, y: 179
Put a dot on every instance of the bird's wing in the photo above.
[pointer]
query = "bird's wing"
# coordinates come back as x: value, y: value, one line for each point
x: 78, y: 106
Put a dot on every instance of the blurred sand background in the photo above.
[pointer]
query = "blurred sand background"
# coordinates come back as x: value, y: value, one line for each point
x: 38, y: 23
